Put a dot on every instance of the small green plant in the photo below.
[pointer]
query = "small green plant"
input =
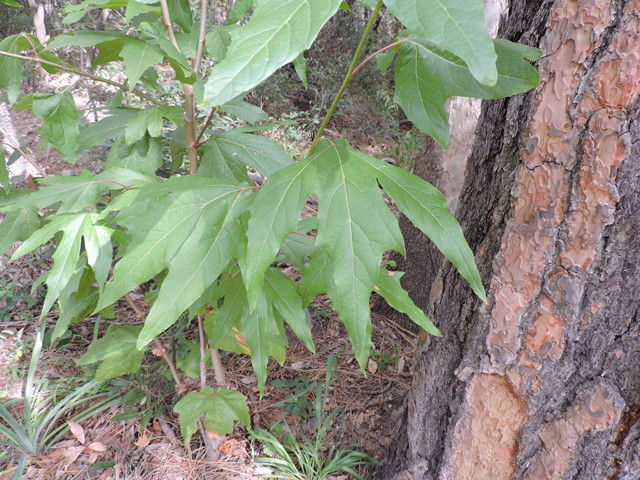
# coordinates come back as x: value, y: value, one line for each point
x: 15, y: 301
x: 295, y: 390
x: 41, y: 424
x: 308, y: 459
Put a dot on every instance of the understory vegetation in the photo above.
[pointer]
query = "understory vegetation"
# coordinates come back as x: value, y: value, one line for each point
x: 214, y: 181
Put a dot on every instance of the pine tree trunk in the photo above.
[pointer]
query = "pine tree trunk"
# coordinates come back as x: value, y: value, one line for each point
x: 543, y: 382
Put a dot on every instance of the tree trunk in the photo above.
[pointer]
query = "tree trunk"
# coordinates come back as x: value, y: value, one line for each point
x: 543, y: 382
x: 38, y: 12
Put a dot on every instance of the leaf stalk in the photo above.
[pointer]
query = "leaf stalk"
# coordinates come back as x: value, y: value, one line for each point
x: 348, y: 77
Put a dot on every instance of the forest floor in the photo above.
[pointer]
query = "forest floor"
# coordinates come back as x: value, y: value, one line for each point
x: 116, y: 440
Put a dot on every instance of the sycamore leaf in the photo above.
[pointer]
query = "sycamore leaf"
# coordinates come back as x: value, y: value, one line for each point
x: 274, y: 215
x: 232, y: 341
x: 135, y: 8
x: 117, y: 351
x: 299, y: 247
x: 139, y: 55
x: 317, y: 277
x: 18, y: 225
x: 97, y: 241
x: 227, y: 155
x: 158, y: 235
x: 217, y: 42
x: 221, y: 407
x: 355, y: 229
x: 239, y: 10
x: 191, y: 363
x: 85, y: 38
x: 259, y: 329
x: 278, y: 31
x: 457, y: 26
x: 426, y: 76
x: 180, y: 12
x: 110, y: 127
x: 151, y: 121
x: 388, y: 285
x: 385, y: 58
x: 300, y: 64
x: 77, y: 12
x: 11, y: 68
x: 59, y: 116
x: 108, y: 52
x: 145, y: 156
x: 283, y: 292
x: 426, y: 207
x: 66, y: 255
x: 12, y: 3
x: 195, y: 267
x: 245, y: 111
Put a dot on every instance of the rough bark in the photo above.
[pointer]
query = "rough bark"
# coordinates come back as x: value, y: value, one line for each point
x: 543, y: 382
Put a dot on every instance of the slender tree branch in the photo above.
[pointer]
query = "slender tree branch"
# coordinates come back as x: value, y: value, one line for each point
x: 82, y: 74
x: 203, y: 354
x: 355, y: 72
x: 348, y: 77
x: 28, y: 158
x: 203, y: 30
x: 213, y: 110
x: 189, y: 99
x: 172, y: 367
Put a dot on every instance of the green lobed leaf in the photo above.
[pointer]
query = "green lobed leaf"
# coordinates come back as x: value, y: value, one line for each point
x: 158, y: 232
x: 18, y: 225
x: 300, y: 64
x: 221, y: 406
x: 188, y: 43
x: 283, y: 292
x: 66, y: 255
x: 227, y: 155
x: 97, y: 242
x: 239, y: 10
x: 298, y: 247
x: 191, y: 364
x: 109, y: 127
x: 59, y: 116
x: 278, y: 31
x: 355, y: 228
x: 259, y: 329
x: 426, y: 76
x: 245, y: 111
x: 317, y: 277
x: 385, y: 58
x: 457, y: 26
x: 76, y: 193
x: 274, y: 215
x: 108, y: 52
x: 135, y: 8
x: 12, y: 3
x: 85, y: 38
x: 388, y: 285
x: 180, y: 12
x: 426, y: 207
x: 117, y: 351
x: 75, y: 13
x: 195, y: 267
x: 217, y: 42
x: 145, y: 156
x: 139, y: 55
x: 151, y: 121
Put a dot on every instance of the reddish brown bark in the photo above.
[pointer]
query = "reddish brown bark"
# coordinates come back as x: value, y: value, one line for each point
x: 543, y: 382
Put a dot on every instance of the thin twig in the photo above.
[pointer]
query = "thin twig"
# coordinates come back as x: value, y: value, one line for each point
x: 355, y: 72
x: 28, y: 159
x: 213, y: 110
x: 203, y: 31
x: 83, y: 74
